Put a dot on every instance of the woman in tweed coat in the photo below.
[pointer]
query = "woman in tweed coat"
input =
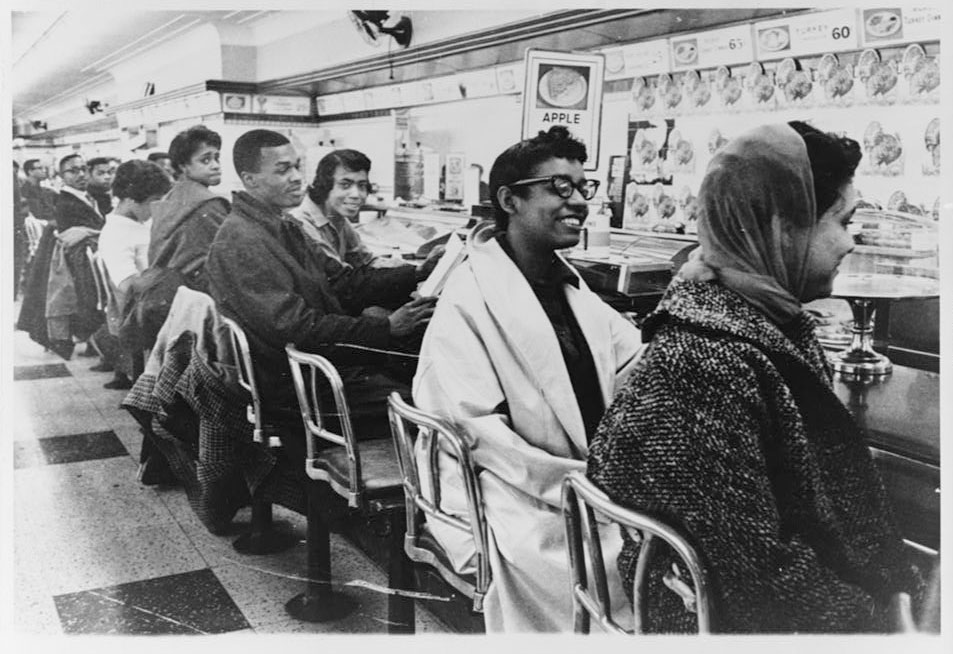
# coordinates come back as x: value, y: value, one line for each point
x: 730, y: 428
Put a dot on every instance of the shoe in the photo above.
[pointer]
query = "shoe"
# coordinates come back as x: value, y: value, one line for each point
x: 62, y: 348
x: 119, y: 383
x: 155, y: 471
x: 102, y: 367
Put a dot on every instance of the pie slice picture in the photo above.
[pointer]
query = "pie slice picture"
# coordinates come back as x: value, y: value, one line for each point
x: 562, y: 86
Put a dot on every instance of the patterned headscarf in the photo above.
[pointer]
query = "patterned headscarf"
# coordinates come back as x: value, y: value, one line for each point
x: 757, y: 216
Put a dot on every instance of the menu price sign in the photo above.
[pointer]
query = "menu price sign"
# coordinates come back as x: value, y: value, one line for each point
x: 563, y: 88
x: 889, y: 25
x: 282, y: 105
x: 649, y: 58
x: 721, y: 47
x: 824, y: 31
x: 236, y: 103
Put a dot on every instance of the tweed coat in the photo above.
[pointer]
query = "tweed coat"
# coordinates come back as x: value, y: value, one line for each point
x: 730, y: 428
x: 490, y: 362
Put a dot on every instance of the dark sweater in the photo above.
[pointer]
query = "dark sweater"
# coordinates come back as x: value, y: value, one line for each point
x: 730, y: 429
x: 184, y: 224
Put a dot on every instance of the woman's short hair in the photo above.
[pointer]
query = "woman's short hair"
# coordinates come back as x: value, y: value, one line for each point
x: 521, y: 160
x: 140, y: 180
x: 834, y: 160
x: 351, y: 160
x: 187, y: 143
x: 246, y: 155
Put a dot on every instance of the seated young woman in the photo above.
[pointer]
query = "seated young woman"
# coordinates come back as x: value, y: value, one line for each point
x: 523, y: 358
x: 729, y: 427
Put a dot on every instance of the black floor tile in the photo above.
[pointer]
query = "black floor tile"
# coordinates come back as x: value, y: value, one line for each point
x: 45, y: 371
x: 187, y: 603
x: 68, y: 449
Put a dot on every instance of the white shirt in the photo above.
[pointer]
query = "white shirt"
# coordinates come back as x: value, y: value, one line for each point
x: 124, y: 246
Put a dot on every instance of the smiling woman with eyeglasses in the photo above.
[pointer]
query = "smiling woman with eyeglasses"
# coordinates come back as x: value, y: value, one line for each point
x: 525, y: 357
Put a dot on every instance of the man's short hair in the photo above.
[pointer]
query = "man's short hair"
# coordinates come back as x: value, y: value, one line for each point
x: 350, y: 160
x: 187, y: 143
x: 520, y: 161
x: 98, y: 161
x: 246, y: 155
x: 140, y: 180
x: 65, y: 160
x: 30, y: 164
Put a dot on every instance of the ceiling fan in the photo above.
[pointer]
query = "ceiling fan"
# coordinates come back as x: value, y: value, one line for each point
x: 371, y: 24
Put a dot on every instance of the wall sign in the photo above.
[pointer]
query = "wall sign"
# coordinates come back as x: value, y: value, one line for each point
x: 236, y: 103
x: 285, y: 105
x: 637, y: 59
x: 824, y: 31
x: 565, y: 88
x: 721, y: 47
x: 890, y: 25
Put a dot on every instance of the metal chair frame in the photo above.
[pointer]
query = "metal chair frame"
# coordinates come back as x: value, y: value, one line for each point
x: 104, y: 291
x: 582, y: 500
x: 262, y: 539
x: 246, y: 379
x: 34, y: 231
x: 420, y: 509
x: 319, y: 602
x: 311, y: 416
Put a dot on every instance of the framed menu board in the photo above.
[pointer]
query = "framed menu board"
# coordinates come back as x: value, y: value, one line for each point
x: 565, y: 88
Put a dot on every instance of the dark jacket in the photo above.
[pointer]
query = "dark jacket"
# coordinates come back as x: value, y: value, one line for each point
x: 264, y: 274
x: 184, y: 224
x: 41, y: 200
x: 730, y: 428
x: 73, y: 212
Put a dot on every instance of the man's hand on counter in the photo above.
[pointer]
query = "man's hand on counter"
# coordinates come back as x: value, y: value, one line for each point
x: 416, y: 313
x: 424, y: 270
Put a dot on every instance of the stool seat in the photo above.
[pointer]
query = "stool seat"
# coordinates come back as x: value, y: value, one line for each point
x: 380, y: 473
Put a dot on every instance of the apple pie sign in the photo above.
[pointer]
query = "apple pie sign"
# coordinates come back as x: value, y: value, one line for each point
x: 564, y: 88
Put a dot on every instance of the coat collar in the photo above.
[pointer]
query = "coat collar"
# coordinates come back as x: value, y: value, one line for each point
x: 513, y: 305
x: 311, y: 211
x: 714, y: 307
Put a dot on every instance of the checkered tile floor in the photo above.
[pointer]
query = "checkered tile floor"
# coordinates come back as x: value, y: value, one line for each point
x: 96, y: 552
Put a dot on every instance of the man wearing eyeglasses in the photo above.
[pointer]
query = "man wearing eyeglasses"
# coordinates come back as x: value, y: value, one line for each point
x: 524, y: 358
x: 75, y: 207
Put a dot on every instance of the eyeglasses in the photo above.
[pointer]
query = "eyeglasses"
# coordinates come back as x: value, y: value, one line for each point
x: 76, y: 170
x: 563, y: 185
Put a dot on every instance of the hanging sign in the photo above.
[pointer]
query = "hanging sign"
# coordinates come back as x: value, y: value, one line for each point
x: 563, y: 88
x: 815, y: 33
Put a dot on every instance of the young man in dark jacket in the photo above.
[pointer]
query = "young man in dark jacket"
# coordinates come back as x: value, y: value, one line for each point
x: 264, y: 274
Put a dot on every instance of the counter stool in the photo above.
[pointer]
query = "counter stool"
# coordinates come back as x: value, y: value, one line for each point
x: 364, y: 473
x: 419, y: 543
x: 582, y: 500
x: 263, y: 538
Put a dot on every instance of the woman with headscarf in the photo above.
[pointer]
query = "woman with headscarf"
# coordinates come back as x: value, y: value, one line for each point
x: 730, y: 429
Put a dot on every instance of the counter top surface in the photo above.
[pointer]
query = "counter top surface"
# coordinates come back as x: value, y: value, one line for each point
x: 901, y: 413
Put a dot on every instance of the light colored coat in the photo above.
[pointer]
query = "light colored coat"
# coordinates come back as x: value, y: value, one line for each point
x: 490, y: 345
